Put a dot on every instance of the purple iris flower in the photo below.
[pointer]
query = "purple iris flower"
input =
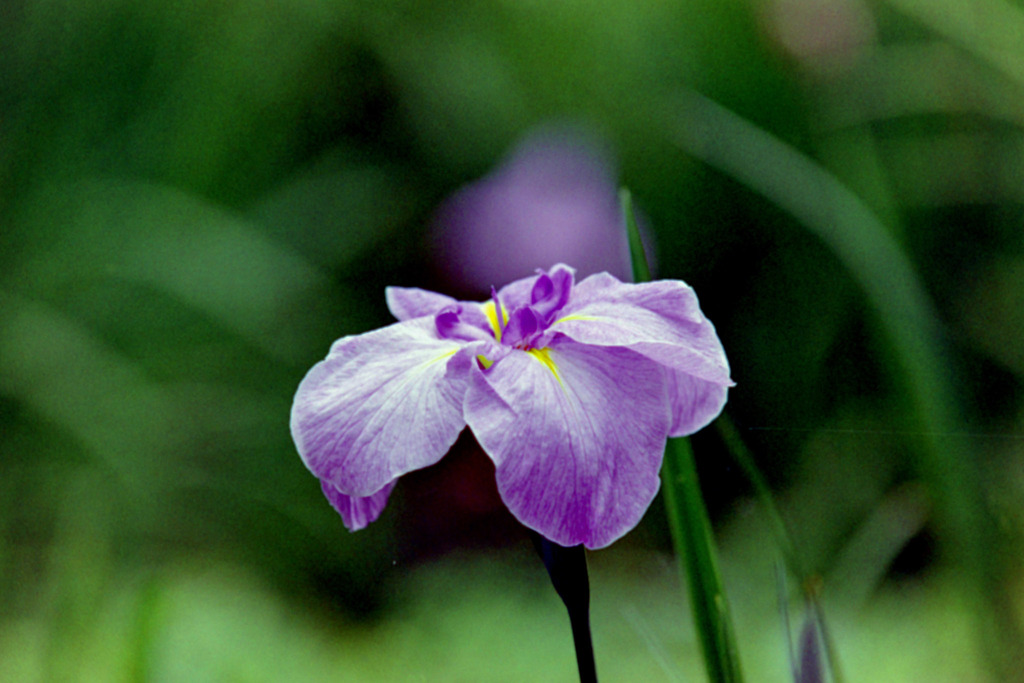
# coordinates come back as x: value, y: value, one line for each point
x: 570, y: 388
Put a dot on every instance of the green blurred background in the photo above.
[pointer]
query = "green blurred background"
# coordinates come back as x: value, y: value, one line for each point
x: 196, y: 198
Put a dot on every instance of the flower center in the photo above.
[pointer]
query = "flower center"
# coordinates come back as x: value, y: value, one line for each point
x: 523, y: 328
x: 525, y: 325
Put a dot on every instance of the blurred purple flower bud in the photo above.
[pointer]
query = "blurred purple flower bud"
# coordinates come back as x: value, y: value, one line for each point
x: 810, y: 662
x: 554, y: 199
x: 811, y: 659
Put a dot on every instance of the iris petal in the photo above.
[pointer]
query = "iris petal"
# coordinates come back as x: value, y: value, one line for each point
x: 357, y: 512
x: 406, y: 303
x: 520, y: 292
x: 380, y: 405
x: 551, y: 292
x: 695, y: 402
x: 661, y: 320
x: 576, y: 436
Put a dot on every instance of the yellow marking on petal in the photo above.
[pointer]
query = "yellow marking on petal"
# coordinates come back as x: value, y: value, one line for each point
x: 574, y: 317
x: 492, y: 317
x: 441, y: 357
x: 484, y: 361
x: 544, y: 357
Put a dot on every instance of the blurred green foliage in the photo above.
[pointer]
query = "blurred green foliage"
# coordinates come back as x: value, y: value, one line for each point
x: 197, y: 198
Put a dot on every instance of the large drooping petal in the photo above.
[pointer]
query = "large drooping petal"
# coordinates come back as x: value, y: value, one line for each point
x: 661, y: 320
x: 380, y: 405
x: 577, y: 435
x: 695, y: 402
x: 357, y: 512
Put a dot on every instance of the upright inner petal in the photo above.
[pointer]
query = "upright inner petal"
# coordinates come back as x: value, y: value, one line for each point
x: 522, y: 328
x: 551, y: 292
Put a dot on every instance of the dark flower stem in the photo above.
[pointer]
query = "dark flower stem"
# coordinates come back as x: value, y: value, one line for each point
x: 567, y: 568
